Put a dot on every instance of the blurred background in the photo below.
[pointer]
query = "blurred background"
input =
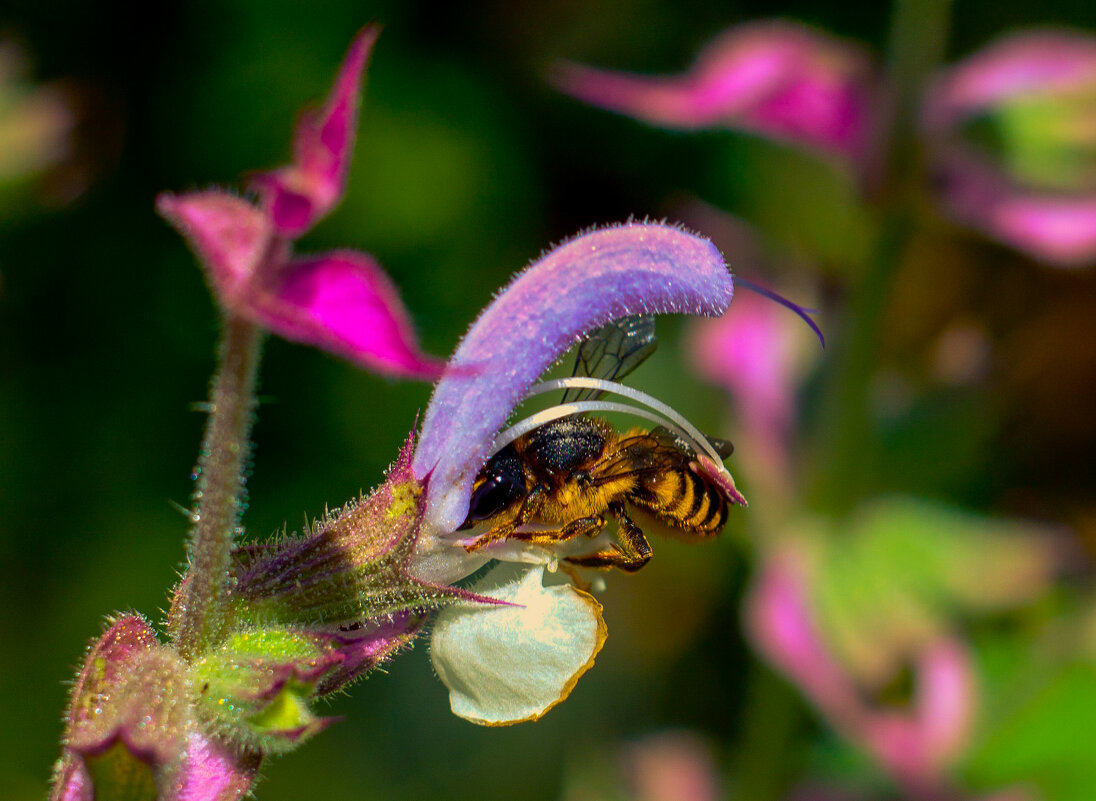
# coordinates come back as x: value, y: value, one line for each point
x: 956, y: 394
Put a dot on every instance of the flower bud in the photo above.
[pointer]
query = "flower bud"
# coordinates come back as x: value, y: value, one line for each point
x: 255, y: 688
x: 126, y: 723
x: 350, y: 571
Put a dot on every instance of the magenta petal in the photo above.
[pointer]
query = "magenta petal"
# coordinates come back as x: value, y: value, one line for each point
x: 913, y: 742
x: 918, y: 743
x: 229, y: 236
x: 782, y: 626
x: 578, y: 286
x: 344, y: 303
x: 752, y: 352
x: 1059, y: 229
x: 774, y: 78
x: 301, y: 193
x: 213, y: 771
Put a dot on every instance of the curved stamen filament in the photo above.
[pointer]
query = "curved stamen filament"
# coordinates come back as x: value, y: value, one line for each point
x: 666, y: 415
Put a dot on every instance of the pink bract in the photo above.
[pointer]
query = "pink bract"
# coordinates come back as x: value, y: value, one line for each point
x: 774, y: 78
x: 342, y: 302
x: 297, y: 195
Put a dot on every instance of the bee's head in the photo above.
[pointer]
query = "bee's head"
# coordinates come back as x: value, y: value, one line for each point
x: 499, y: 484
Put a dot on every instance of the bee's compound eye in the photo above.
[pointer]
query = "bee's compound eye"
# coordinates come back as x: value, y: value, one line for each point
x: 492, y: 496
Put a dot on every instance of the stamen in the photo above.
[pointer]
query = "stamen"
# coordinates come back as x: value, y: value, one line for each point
x: 802, y: 312
x: 666, y: 416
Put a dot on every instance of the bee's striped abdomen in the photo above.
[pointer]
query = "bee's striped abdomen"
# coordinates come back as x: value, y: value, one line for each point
x: 685, y: 500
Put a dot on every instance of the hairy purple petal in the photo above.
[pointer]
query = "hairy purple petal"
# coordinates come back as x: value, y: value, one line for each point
x: 343, y: 302
x: 580, y: 285
x: 229, y: 236
x: 298, y: 195
x: 773, y: 78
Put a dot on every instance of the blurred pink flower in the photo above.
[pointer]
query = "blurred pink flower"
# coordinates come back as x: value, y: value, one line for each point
x: 774, y: 78
x: 671, y: 766
x: 758, y: 354
x: 342, y: 302
x: 1029, y: 178
x: 917, y: 743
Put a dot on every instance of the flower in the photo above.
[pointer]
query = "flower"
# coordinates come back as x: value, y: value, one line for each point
x: 515, y: 660
x: 915, y: 743
x: 1013, y: 139
x: 312, y: 613
x: 774, y: 78
x: 340, y: 301
x: 843, y: 609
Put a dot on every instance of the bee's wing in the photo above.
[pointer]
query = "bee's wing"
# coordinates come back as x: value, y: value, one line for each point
x: 640, y: 454
x: 724, y: 447
x: 612, y: 352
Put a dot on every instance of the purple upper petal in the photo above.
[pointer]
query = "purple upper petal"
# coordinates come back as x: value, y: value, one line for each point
x: 345, y: 303
x: 774, y: 78
x: 578, y: 286
x: 229, y: 236
x: 299, y: 194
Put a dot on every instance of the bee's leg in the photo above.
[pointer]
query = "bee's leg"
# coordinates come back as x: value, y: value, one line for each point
x: 589, y: 526
x: 631, y: 552
x: 529, y: 508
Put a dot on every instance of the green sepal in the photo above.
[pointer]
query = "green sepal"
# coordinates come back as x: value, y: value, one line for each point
x: 349, y: 567
x: 1043, y: 140
x: 255, y: 689
x: 118, y: 774
x: 128, y: 718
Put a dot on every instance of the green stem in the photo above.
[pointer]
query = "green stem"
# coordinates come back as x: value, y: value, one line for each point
x: 766, y: 762
x: 198, y: 609
x: 847, y: 455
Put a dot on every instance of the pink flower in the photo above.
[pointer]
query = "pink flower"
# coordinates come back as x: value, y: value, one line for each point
x: 773, y: 78
x: 671, y: 766
x: 1029, y: 178
x: 915, y: 743
x: 341, y: 301
x: 515, y: 660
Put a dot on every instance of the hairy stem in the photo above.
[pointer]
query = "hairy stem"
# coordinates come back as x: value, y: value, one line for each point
x: 198, y: 610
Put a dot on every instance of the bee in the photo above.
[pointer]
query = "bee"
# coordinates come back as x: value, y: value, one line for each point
x: 567, y: 478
